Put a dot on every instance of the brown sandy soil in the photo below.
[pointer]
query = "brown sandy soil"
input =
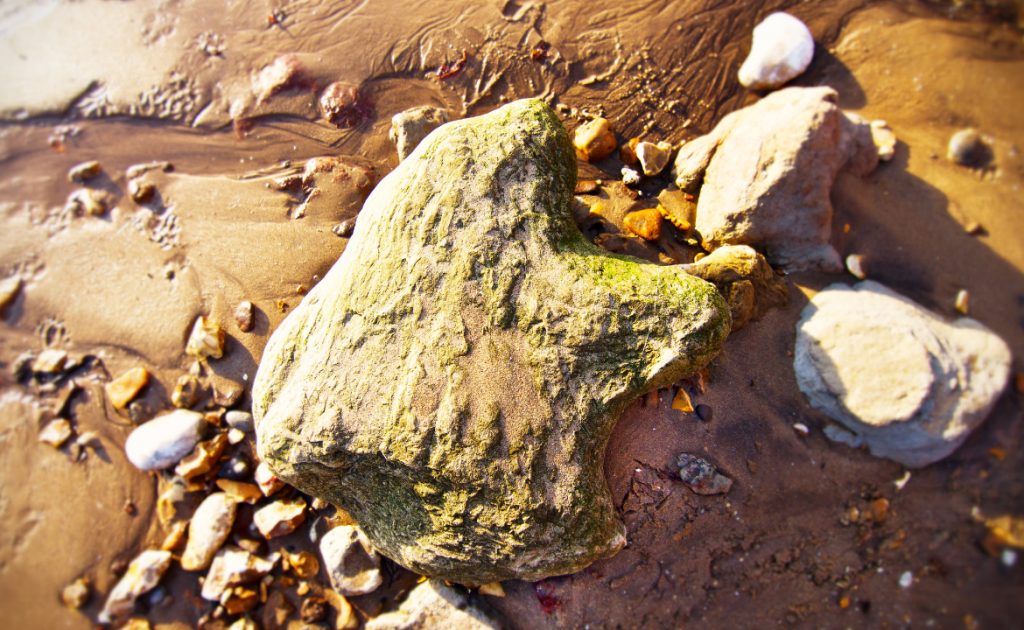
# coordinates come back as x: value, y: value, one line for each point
x: 134, y: 82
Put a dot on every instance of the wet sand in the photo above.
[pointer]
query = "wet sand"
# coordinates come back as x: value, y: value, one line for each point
x: 125, y: 287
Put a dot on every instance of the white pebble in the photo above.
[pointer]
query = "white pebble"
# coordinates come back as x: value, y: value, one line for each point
x: 162, y: 441
x: 855, y: 265
x: 906, y: 579
x: 781, y: 50
x: 1008, y: 558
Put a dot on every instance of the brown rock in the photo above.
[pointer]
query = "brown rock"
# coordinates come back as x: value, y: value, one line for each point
x: 627, y: 152
x: 144, y: 573
x: 76, y: 594
x: 208, y: 530
x: 123, y: 389
x: 233, y: 567
x: 240, y: 491
x: 187, y: 391
x: 269, y: 483
x: 201, y: 460
x: 701, y: 476
x: 276, y: 611
x: 206, y: 339
x: 594, y: 140
x: 644, y: 223
x: 56, y: 432
x: 84, y: 171
x: 313, y: 609
x: 240, y: 599
x: 745, y: 279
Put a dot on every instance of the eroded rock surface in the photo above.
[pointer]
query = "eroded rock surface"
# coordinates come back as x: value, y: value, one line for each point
x: 909, y: 384
x: 764, y: 174
x: 453, y: 380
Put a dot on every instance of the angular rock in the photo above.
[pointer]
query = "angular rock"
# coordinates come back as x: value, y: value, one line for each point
x: 123, y: 389
x: 433, y: 605
x: 231, y: 567
x: 410, y: 127
x: 745, y: 279
x: 653, y: 157
x: 781, y: 50
x: 907, y: 382
x: 163, y: 441
x: 187, y: 391
x: 85, y: 170
x: 644, y: 223
x: 206, y: 339
x: 202, y: 458
x: 50, y: 361
x: 244, y: 314
x: 350, y: 561
x: 764, y: 174
x: 56, y: 432
x: 209, y: 528
x: 142, y: 575
x: 453, y: 380
x: 280, y: 518
x: 241, y: 420
x: 76, y: 594
x: 9, y: 289
x: 884, y: 139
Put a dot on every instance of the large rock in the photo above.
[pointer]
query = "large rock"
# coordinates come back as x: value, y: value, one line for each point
x: 910, y: 385
x: 433, y: 605
x: 764, y: 174
x: 453, y: 380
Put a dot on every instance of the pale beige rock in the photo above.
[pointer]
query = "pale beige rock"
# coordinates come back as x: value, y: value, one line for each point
x: 781, y: 50
x: 206, y: 339
x: 143, y: 574
x: 432, y: 604
x: 9, y: 289
x: 280, y: 518
x: 410, y: 127
x: 56, y: 432
x: 231, y: 567
x: 123, y: 389
x: 653, y: 157
x: 209, y: 528
x: 164, y: 440
x: 350, y: 561
x: 911, y: 385
x: 594, y: 140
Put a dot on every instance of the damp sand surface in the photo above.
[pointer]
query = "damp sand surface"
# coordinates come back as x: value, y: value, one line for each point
x: 122, y: 289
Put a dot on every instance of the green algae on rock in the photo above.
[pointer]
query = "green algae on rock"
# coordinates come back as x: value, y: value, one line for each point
x: 453, y: 380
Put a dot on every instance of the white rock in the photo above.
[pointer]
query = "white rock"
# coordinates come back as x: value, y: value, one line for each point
x: 350, y: 561
x: 231, y: 567
x: 164, y: 440
x: 908, y: 383
x: 209, y: 528
x: 142, y: 575
x: 433, y: 605
x: 884, y: 139
x: 653, y: 157
x: 241, y: 420
x: 781, y: 50
x: 410, y: 127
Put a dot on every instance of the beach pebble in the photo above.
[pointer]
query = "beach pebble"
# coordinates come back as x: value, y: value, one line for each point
x: 266, y: 480
x: 627, y: 152
x: 50, y: 361
x: 209, y: 528
x: 85, y: 170
x: 884, y: 139
x: 594, y: 140
x: 231, y: 567
x: 781, y: 50
x: 241, y: 420
x: 345, y: 228
x: 163, y: 441
x: 433, y: 604
x: 187, y: 390
x: 968, y: 148
x: 962, y: 302
x: 9, y: 289
x: 705, y: 413
x: 76, y: 594
x: 141, y: 192
x: 280, y: 518
x: 206, y: 339
x: 87, y: 201
x: 907, y: 383
x: 653, y: 157
x: 630, y: 176
x: 123, y: 389
x: 202, y: 458
x: 350, y: 561
x: 410, y: 127
x: 701, y: 476
x: 644, y: 223
x: 244, y: 314
x: 240, y: 491
x: 144, y: 573
x: 855, y: 265
x: 55, y: 433
x: 343, y: 105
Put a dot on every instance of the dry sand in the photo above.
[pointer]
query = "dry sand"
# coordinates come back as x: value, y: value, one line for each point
x: 129, y: 83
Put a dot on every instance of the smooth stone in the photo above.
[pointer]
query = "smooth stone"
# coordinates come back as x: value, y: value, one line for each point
x: 701, y: 476
x: 781, y: 50
x: 209, y: 528
x: 653, y: 157
x: 231, y: 567
x: 164, y: 440
x: 452, y: 381
x: 123, y: 389
x: 908, y: 383
x: 350, y: 561
x: 432, y: 604
x: 764, y: 174
x: 241, y: 420
x: 410, y: 127
x: 968, y: 148
x: 594, y: 140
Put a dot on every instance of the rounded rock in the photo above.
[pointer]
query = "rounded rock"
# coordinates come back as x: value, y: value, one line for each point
x: 163, y: 441
x: 351, y: 562
x: 781, y: 50
x: 968, y: 148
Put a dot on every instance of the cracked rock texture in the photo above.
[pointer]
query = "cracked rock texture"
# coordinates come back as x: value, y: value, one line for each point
x: 764, y: 173
x: 909, y: 384
x: 453, y: 380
